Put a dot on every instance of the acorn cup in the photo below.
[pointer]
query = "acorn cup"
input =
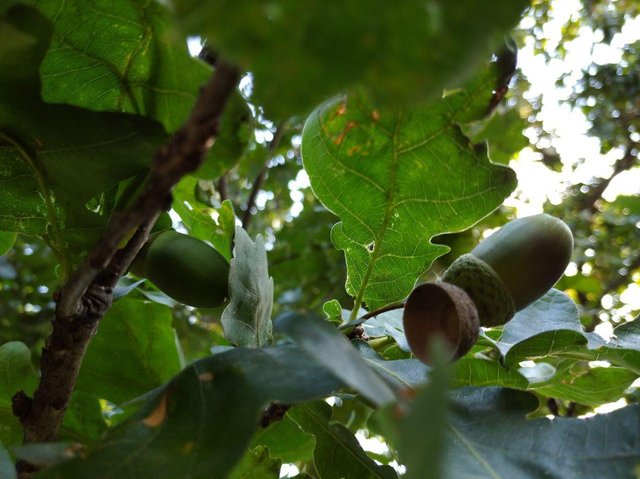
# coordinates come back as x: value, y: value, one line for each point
x: 184, y: 268
x: 505, y: 273
x: 440, y: 309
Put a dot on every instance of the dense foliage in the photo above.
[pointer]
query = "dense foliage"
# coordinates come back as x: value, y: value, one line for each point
x: 340, y: 177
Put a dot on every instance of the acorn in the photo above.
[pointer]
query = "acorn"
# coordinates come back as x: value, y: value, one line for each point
x: 513, y: 267
x: 184, y: 268
x: 505, y: 273
x: 440, y: 310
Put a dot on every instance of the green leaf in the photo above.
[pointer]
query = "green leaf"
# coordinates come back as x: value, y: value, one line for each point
x: 121, y: 57
x: 16, y: 371
x: 421, y: 433
x: 25, y: 35
x: 16, y: 374
x: 256, y: 464
x: 6, y: 241
x: 337, y: 453
x: 143, y: 69
x: 286, y: 441
x: 396, y: 180
x: 401, y: 373
x: 491, y: 437
x: 199, y: 219
x: 200, y: 424
x: 470, y: 371
x: 247, y: 319
x: 333, y: 311
x: 133, y: 352
x: 549, y: 326
x: 325, y: 344
x: 7, y: 468
x: 388, y: 323
x: 236, y: 131
x: 83, y: 419
x: 50, y: 169
x: 300, y: 53
x: 503, y: 132
x: 593, y: 387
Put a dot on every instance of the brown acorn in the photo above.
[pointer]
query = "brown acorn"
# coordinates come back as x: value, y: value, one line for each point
x: 444, y: 310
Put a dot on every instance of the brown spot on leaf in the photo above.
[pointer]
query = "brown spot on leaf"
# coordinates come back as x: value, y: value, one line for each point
x: 158, y: 415
x: 375, y: 115
x: 342, y: 109
x: 208, y: 377
x: 348, y: 127
x: 353, y: 150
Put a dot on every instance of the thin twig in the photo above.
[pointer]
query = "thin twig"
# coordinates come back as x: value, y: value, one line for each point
x: 221, y: 187
x: 257, y: 183
x: 590, y: 199
x: 358, y: 321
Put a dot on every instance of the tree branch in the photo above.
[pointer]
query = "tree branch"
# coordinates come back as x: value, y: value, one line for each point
x: 257, y: 183
x: 88, y: 293
x: 183, y: 154
x: 590, y: 199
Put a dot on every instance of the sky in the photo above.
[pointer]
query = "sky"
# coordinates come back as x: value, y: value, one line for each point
x: 536, y: 183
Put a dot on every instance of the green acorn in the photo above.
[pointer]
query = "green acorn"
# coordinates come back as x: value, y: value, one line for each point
x: 185, y: 268
x: 513, y: 267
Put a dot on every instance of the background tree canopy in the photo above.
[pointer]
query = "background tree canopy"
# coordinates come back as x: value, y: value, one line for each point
x: 362, y: 148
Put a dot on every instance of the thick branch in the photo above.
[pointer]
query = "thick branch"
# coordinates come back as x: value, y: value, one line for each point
x: 183, y: 154
x: 87, y: 296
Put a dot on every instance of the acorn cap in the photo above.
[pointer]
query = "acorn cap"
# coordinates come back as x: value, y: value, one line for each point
x: 488, y: 292
x: 440, y: 310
